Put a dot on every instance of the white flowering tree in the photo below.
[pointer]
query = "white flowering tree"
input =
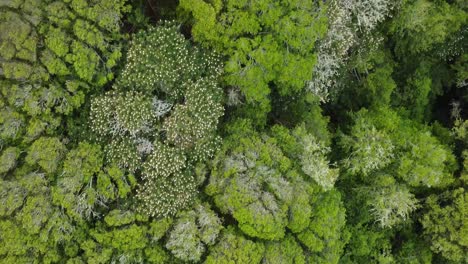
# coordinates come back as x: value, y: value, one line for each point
x: 350, y: 21
x: 160, y: 120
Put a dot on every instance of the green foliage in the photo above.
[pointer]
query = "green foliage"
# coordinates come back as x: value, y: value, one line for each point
x: 161, y: 61
x: 313, y: 159
x: 368, y: 245
x: 351, y: 29
x: 168, y: 186
x: 344, y: 131
x: 414, y: 249
x: 388, y: 158
x: 13, y: 124
x: 47, y: 153
x: 85, y: 184
x: 323, y: 235
x: 391, y: 205
x: 193, y: 123
x: 446, y: 225
x: 372, y: 83
x: 287, y: 250
x: 235, y: 248
x: 83, y: 162
x: 8, y: 159
x: 126, y: 237
x: 192, y: 232
x: 418, y: 87
x: 270, y: 46
x: 119, y: 218
x: 381, y: 138
x: 370, y: 150
x: 426, y: 162
x: 167, y: 87
x: 34, y: 229
x: 12, y: 197
x: 255, y: 182
x: 69, y: 48
x: 421, y: 24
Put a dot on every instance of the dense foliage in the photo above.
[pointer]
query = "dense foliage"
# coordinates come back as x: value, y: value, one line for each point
x: 233, y: 131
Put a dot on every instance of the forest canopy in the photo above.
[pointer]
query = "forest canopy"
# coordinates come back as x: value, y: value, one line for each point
x: 234, y: 131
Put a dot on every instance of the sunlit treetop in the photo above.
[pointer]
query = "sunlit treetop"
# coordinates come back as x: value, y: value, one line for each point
x: 161, y: 117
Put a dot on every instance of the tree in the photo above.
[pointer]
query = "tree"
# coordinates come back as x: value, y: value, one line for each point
x: 168, y: 186
x: 269, y: 45
x: 160, y: 120
x: 314, y: 159
x: 445, y: 224
x: 422, y: 24
x: 350, y: 25
x: 52, y: 54
x: 192, y: 232
x: 86, y: 184
x: 126, y: 236
x: 388, y: 159
x: 372, y: 149
x: 287, y: 250
x: 8, y: 159
x: 32, y: 227
x: 392, y: 204
x: 256, y: 183
x: 47, y: 153
x: 323, y: 236
x: 73, y: 46
x: 235, y: 248
x: 384, y: 138
x: 12, y: 197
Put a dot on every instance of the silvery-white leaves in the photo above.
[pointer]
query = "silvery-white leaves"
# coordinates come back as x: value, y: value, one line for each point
x: 192, y: 232
x: 160, y: 107
x: 325, y: 71
x: 315, y: 164
x: 144, y: 146
x: 209, y: 224
x: 369, y: 13
x: 342, y: 36
x: 392, y: 205
x: 234, y: 96
x: 372, y: 150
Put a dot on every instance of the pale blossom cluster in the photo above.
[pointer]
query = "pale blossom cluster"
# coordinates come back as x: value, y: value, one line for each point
x: 167, y: 187
x: 161, y: 60
x: 116, y: 114
x: 123, y: 152
x: 196, y: 119
x: 161, y: 119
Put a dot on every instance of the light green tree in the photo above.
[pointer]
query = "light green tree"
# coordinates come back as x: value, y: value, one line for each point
x: 269, y: 45
x: 445, y: 223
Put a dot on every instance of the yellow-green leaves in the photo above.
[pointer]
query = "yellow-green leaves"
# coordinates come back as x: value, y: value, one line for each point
x: 446, y: 224
x: 269, y: 45
x: 47, y: 153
